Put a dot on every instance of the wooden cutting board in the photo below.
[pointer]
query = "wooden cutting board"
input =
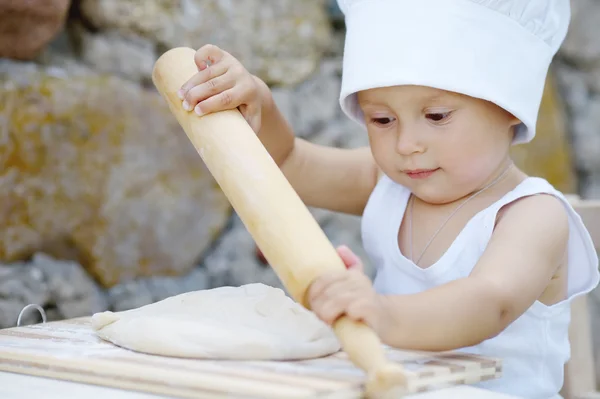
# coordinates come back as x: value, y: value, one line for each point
x: 70, y: 350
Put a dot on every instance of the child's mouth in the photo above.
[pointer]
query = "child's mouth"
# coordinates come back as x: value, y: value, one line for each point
x: 420, y: 173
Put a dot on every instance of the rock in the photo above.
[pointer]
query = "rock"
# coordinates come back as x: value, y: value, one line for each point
x: 312, y: 109
x: 342, y: 132
x: 593, y: 77
x: 581, y: 45
x: 236, y: 260
x: 61, y: 288
x: 573, y: 88
x: 143, y: 291
x: 70, y: 289
x: 548, y: 155
x: 232, y: 260
x: 335, y: 13
x: 99, y: 165
x: 578, y: 67
x: 19, y: 286
x: 282, y: 39
x: 27, y: 26
x: 132, y: 57
x: 338, y: 35
x: 587, y: 135
x: 343, y: 229
x: 586, y: 144
x: 129, y: 295
x: 312, y: 104
x: 58, y: 49
x: 584, y: 127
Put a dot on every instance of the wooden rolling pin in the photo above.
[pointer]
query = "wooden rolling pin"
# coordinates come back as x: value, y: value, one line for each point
x: 281, y: 225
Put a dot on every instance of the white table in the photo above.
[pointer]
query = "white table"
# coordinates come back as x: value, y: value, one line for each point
x: 18, y: 386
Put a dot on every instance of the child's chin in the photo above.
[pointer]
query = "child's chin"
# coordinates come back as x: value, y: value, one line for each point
x: 432, y: 194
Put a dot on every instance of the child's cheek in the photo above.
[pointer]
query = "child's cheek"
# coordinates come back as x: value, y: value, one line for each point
x: 468, y: 163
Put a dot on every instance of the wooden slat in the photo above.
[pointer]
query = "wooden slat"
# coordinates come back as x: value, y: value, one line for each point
x: 71, y: 351
x: 19, y: 386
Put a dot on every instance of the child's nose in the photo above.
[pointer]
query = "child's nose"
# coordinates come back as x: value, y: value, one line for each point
x: 407, y: 143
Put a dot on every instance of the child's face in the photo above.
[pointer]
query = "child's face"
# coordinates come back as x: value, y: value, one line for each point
x: 458, y: 141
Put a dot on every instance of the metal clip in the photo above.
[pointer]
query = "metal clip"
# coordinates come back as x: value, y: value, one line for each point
x: 32, y: 305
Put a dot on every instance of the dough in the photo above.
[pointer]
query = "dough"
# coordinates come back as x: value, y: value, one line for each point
x: 251, y: 322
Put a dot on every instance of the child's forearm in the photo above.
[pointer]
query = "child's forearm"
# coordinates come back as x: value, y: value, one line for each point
x: 275, y: 133
x: 325, y: 177
x: 458, y: 314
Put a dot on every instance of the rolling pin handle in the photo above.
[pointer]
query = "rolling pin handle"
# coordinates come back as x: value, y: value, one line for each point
x: 383, y: 377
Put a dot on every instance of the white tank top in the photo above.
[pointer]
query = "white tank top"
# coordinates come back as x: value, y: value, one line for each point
x: 534, y: 348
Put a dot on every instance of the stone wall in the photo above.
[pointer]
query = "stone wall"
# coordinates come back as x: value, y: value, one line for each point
x: 98, y: 180
x: 577, y: 69
x: 103, y: 202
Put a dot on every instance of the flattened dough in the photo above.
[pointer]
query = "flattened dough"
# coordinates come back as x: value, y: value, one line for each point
x: 251, y: 322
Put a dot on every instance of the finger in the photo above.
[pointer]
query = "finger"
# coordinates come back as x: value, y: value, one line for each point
x: 338, y: 291
x: 351, y: 261
x: 207, y: 89
x: 201, y: 77
x: 359, y: 309
x: 341, y: 287
x: 318, y: 287
x: 347, y: 255
x: 228, y: 99
x: 329, y: 311
x: 357, y: 267
x: 211, y: 53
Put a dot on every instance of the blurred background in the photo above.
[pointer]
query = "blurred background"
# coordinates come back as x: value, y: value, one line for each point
x: 104, y: 203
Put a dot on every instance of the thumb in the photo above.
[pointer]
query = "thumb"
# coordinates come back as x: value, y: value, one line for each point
x: 351, y: 261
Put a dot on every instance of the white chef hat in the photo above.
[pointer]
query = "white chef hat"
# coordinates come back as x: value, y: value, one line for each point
x: 497, y: 50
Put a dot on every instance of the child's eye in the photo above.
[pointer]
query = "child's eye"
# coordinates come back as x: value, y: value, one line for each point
x: 382, y: 121
x: 437, y: 116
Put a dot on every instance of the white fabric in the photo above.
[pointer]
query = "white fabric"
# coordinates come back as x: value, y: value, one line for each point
x: 497, y: 50
x: 533, y: 348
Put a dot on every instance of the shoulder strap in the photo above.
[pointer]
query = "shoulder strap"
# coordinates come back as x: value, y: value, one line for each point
x: 583, y: 273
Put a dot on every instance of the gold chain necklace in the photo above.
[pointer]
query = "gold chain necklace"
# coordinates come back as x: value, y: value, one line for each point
x: 495, y: 181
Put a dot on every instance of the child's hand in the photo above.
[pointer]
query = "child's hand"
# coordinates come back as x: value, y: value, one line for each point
x: 349, y: 292
x: 224, y: 84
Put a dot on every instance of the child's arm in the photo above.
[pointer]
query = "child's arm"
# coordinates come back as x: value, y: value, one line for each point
x: 324, y: 177
x: 525, y: 251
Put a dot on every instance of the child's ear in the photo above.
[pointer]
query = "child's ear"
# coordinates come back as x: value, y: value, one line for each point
x: 512, y: 127
x: 513, y: 121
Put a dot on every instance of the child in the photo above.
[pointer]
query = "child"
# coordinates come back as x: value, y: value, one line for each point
x: 471, y: 253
